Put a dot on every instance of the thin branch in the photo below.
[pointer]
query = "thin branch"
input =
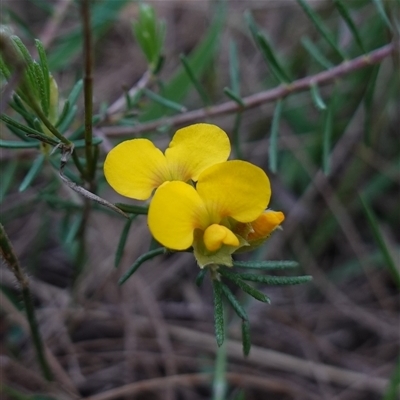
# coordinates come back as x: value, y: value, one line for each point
x: 61, y: 376
x: 7, y: 252
x: 65, y: 154
x: 257, y: 99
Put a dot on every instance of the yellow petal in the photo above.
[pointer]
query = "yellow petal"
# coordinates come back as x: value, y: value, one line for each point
x: 176, y: 210
x: 265, y: 224
x: 195, y: 148
x: 234, y: 189
x: 217, y: 235
x: 134, y: 168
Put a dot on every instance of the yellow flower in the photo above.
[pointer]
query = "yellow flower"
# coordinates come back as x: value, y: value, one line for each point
x: 135, y: 168
x: 205, y: 217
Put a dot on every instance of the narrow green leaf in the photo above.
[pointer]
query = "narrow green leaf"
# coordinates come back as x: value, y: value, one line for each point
x: 7, y: 177
x: 369, y: 102
x: 269, y: 265
x: 32, y: 173
x: 37, y: 125
x: 128, y: 100
x: 220, y: 384
x: 218, y: 313
x: 45, y: 68
x: 17, y: 105
x: 234, y: 73
x: 133, y: 209
x: 79, y: 144
x: 144, y: 257
x: 43, y: 138
x: 134, y: 100
x: 73, y: 229
x: 269, y: 54
x: 240, y: 311
x: 317, y: 99
x: 29, y: 73
x: 75, y: 92
x: 64, y: 113
x: 4, y: 69
x: 381, y: 11
x: 200, y: 276
x: 17, y: 125
x: 9, y: 144
x: 321, y: 27
x: 60, y: 204
x: 23, y: 27
x: 273, y: 141
x: 393, y: 388
x: 276, y: 280
x: 158, y: 66
x: 315, y: 53
x: 145, y: 31
x: 150, y: 34
x: 345, y: 13
x: 200, y: 90
x: 239, y: 395
x: 251, y: 24
x: 390, y: 262
x: 326, y: 139
x: 246, y: 339
x: 232, y: 95
x: 19, y: 133
x: 236, y: 136
x: 13, y: 394
x: 23, y: 50
x: 244, y: 286
x: 68, y: 119
x: 78, y: 133
x: 163, y: 101
x: 122, y: 240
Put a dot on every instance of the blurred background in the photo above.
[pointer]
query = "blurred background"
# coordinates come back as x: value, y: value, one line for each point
x: 153, y: 338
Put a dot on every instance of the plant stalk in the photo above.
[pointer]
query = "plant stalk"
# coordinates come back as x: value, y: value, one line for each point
x: 88, y: 88
x: 7, y: 252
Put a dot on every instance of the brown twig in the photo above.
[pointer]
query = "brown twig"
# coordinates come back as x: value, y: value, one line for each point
x: 236, y: 379
x: 257, y: 99
x: 65, y: 154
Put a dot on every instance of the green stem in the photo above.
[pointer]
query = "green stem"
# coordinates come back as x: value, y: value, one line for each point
x: 219, y: 384
x: 36, y: 108
x: 88, y: 88
x: 7, y: 252
x: 37, y: 339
